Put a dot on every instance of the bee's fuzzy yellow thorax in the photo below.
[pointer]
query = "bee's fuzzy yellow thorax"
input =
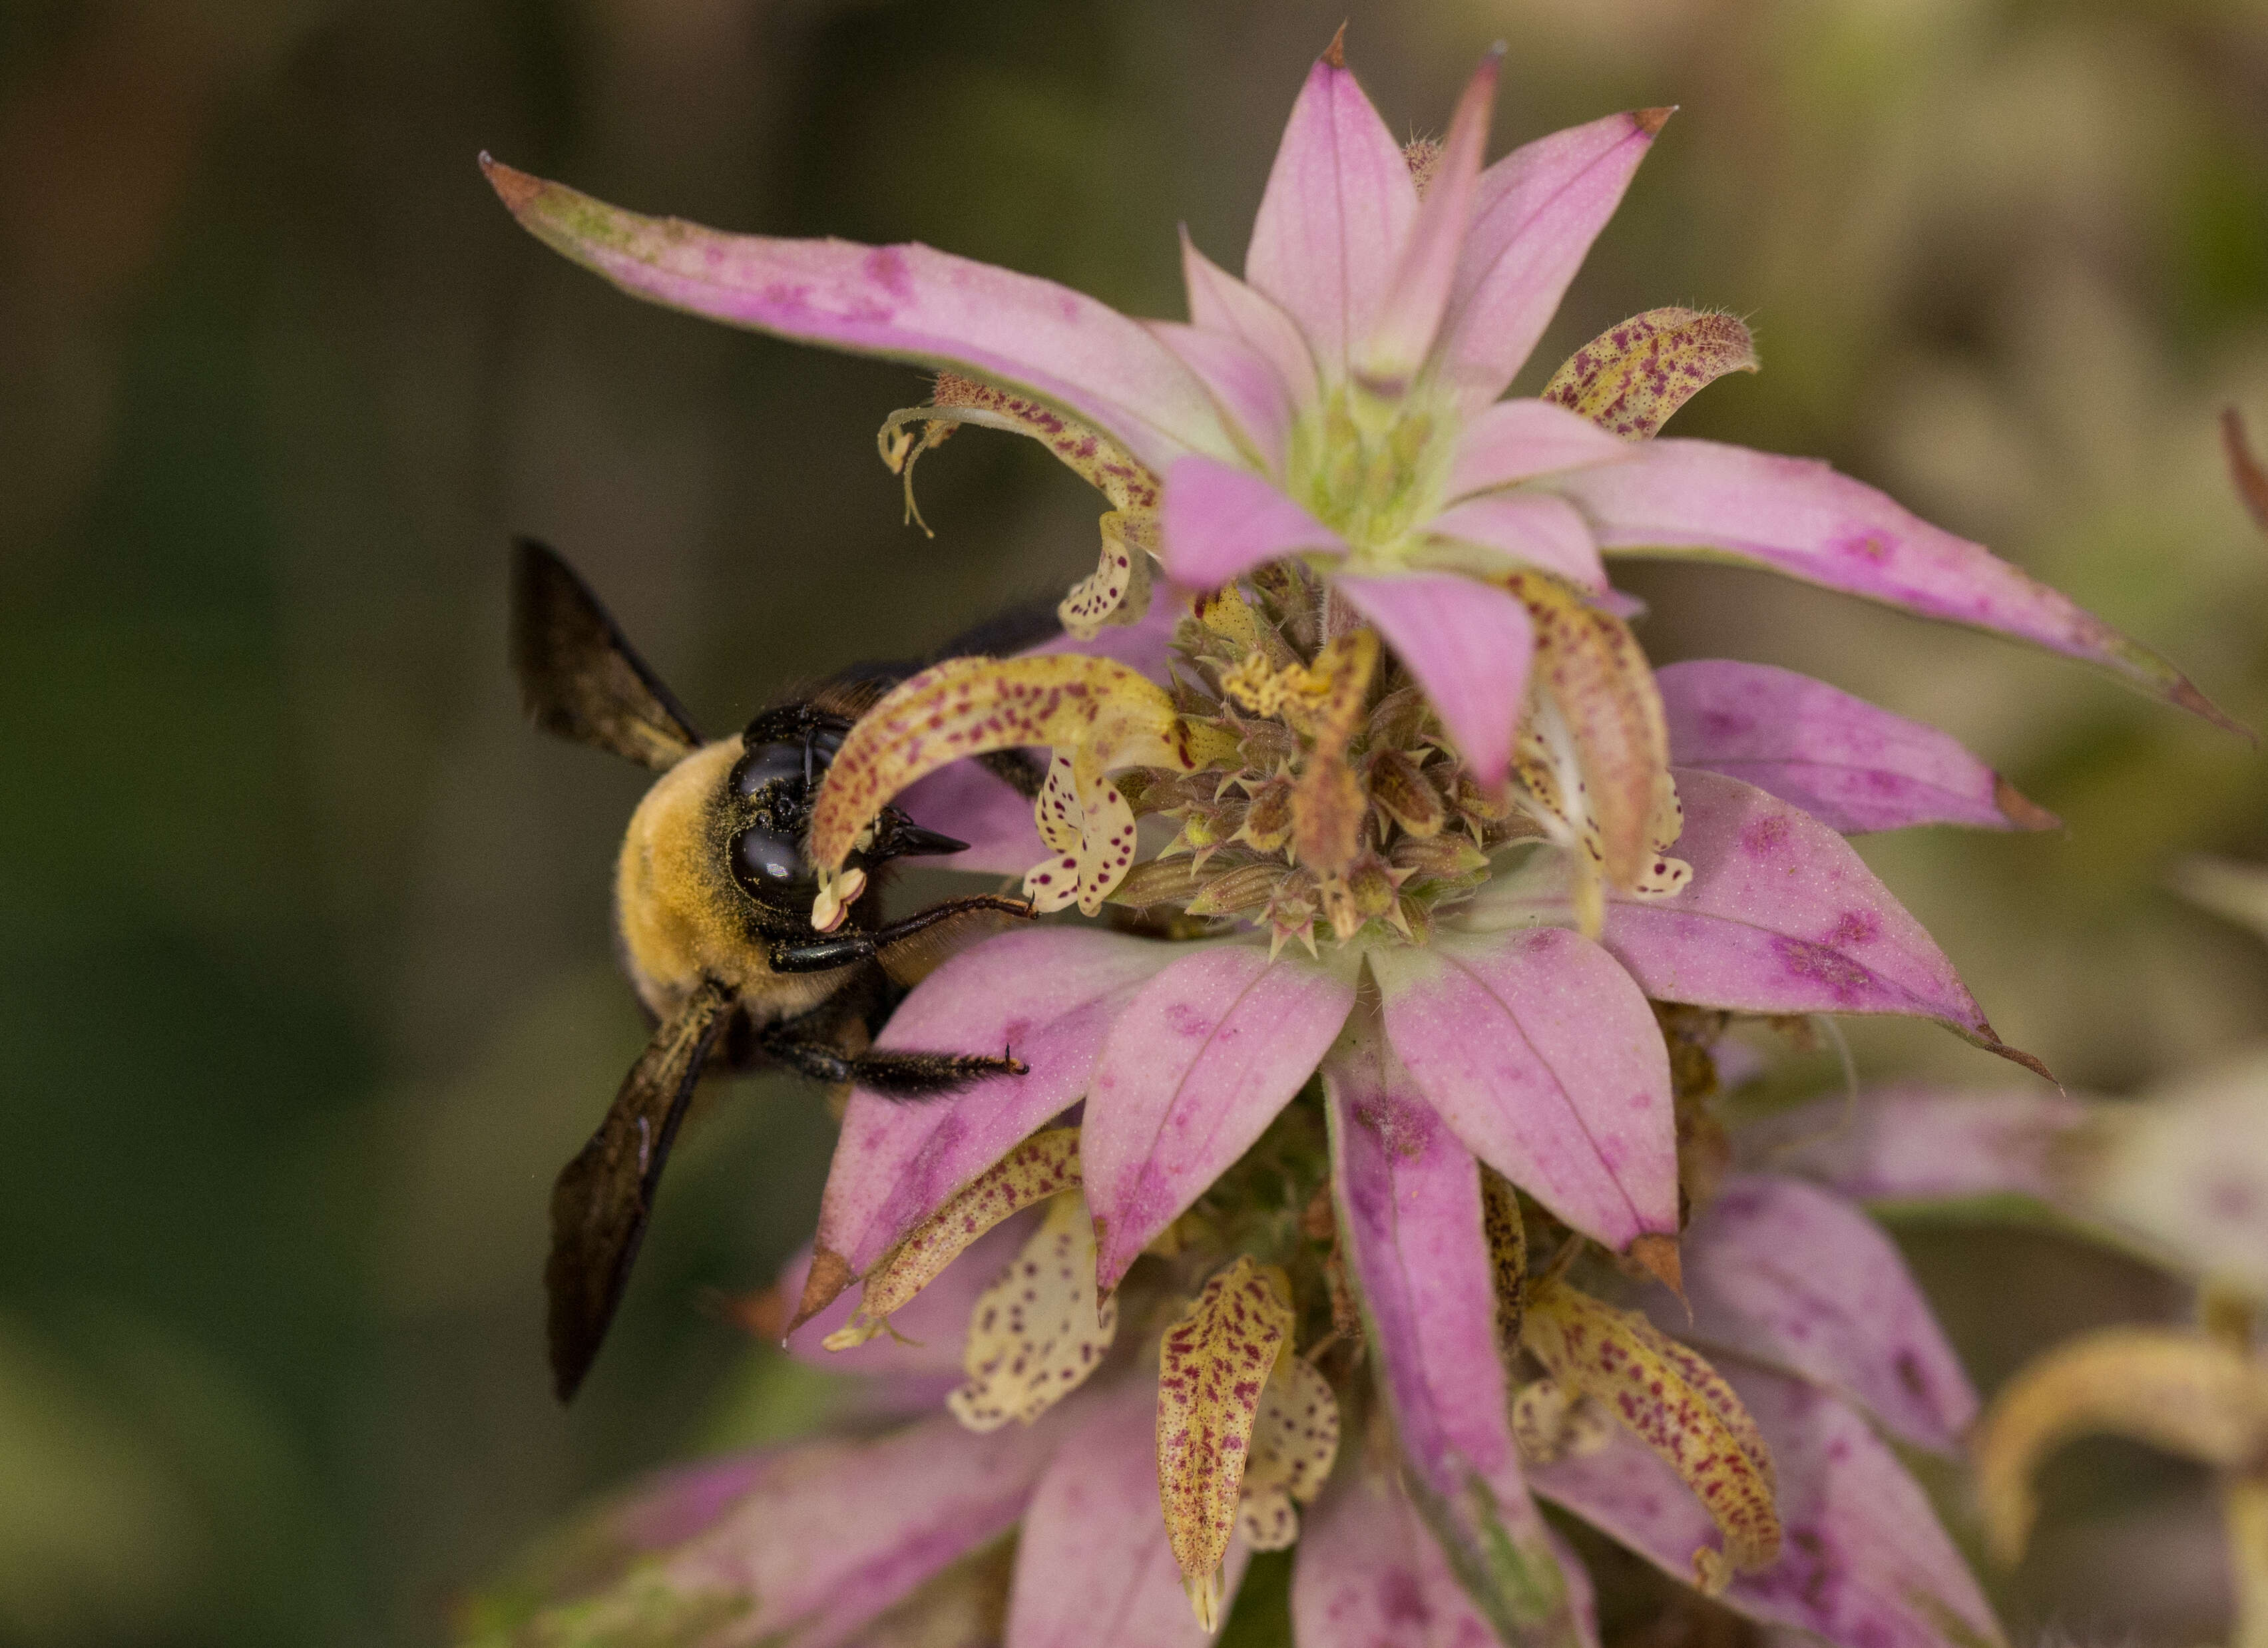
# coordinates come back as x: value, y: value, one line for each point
x: 681, y: 917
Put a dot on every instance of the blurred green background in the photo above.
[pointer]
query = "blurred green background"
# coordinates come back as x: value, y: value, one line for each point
x: 308, y: 986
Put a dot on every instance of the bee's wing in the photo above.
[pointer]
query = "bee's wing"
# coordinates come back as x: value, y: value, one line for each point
x: 578, y: 676
x: 1026, y: 625
x: 1030, y: 623
x: 602, y: 1200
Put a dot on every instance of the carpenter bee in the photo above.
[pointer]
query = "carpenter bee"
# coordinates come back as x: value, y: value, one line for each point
x: 713, y: 897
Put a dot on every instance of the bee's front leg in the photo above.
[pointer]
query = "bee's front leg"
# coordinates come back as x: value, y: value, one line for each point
x: 839, y: 949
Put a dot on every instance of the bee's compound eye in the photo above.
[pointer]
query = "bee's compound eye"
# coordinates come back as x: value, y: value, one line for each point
x: 768, y: 763
x: 765, y: 860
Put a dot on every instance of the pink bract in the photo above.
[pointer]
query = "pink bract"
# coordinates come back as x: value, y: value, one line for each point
x: 1368, y: 319
x: 1535, y: 1046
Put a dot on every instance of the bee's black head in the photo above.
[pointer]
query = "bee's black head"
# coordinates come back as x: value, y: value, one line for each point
x: 785, y: 752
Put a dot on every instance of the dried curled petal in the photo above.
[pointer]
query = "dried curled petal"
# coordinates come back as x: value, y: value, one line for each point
x: 1043, y: 1166
x: 1037, y: 1332
x: 1212, y: 1367
x: 1118, y: 590
x: 1130, y: 526
x: 1669, y: 1398
x: 2183, y: 1392
x: 1631, y: 377
x: 1105, y: 714
x: 1550, y: 1422
x: 1097, y: 459
x: 1328, y: 803
x: 1508, y: 1241
x: 1591, y: 666
x: 1557, y: 802
x: 1294, y: 1440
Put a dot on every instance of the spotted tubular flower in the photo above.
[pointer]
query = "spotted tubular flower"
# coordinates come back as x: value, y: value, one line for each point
x: 1376, y: 1468
x: 1455, y: 1030
x: 1340, y: 405
x: 1409, y: 858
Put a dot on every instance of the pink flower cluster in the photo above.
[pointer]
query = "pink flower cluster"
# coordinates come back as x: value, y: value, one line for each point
x: 1340, y: 406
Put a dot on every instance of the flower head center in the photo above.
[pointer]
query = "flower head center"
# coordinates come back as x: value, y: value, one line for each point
x: 1373, y: 467
x: 1341, y: 812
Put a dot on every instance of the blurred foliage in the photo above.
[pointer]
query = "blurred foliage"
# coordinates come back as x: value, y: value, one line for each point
x: 304, y: 936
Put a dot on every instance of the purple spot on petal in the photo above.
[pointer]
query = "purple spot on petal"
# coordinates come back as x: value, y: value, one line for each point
x: 1404, y: 1129
x: 1907, y: 1366
x: 788, y: 296
x: 1763, y: 838
x: 1844, y: 979
x: 1402, y: 1599
x: 885, y: 267
x: 1187, y: 1020
x: 1857, y: 927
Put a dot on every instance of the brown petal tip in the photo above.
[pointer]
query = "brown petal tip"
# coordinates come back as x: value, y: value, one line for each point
x: 1657, y: 1255
x: 1991, y: 1043
x: 1651, y: 121
x: 1334, y: 53
x: 2021, y: 812
x: 830, y: 1274
x: 514, y: 188
x: 2251, y: 480
x: 2196, y: 702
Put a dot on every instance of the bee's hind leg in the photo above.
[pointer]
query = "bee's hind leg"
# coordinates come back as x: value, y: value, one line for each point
x: 812, y: 1045
x: 897, y: 1075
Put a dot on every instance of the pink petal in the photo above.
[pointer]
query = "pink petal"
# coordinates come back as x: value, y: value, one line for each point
x: 1797, y: 1278
x: 1245, y: 387
x: 1093, y: 1567
x: 1864, y: 1562
x: 1544, y: 1059
x: 1399, y: 340
x: 1218, y: 522
x: 1518, y: 440
x: 1534, y: 216
x: 1049, y: 994
x: 1797, y: 516
x: 671, y: 1507
x: 902, y: 302
x: 1195, y: 1069
x: 1338, y: 207
x: 2182, y: 1173
x: 1527, y: 529
x: 969, y: 804
x: 1851, y: 766
x: 1923, y: 1145
x: 1368, y: 1574
x: 832, y: 1533
x: 1409, y: 1198
x: 1782, y: 917
x: 1219, y: 302
x: 1469, y: 645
